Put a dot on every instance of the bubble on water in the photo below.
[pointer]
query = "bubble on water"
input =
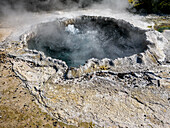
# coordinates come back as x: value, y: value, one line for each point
x: 72, y: 29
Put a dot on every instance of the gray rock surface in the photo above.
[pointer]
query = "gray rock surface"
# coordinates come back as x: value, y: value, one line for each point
x: 166, y: 33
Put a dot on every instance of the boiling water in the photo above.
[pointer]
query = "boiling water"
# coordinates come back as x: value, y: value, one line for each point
x: 76, y: 43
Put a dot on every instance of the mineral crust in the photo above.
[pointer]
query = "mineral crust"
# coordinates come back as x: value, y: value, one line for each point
x: 132, y: 91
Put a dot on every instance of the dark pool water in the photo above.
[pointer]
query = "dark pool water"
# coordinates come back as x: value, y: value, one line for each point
x: 76, y: 43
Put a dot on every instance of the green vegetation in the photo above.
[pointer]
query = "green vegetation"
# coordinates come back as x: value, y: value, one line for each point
x: 151, y: 6
x: 162, y: 27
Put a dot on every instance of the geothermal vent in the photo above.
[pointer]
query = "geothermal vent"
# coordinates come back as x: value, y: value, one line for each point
x: 124, y: 80
x: 76, y: 41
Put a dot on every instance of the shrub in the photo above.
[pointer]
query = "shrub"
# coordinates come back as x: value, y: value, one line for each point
x: 151, y: 6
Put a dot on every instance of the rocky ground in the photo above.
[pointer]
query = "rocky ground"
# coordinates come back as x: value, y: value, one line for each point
x: 18, y: 108
x: 148, y: 107
x: 112, y: 97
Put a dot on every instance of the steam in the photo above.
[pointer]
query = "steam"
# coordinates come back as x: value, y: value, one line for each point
x: 71, y: 42
x: 43, y: 5
x: 68, y: 44
x: 18, y: 6
x: 114, y: 5
x: 86, y: 39
x: 18, y: 12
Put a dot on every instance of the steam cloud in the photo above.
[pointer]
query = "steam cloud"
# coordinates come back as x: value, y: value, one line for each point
x: 8, y: 6
x: 15, y: 13
x: 19, y: 11
x: 43, y: 5
x: 85, y: 39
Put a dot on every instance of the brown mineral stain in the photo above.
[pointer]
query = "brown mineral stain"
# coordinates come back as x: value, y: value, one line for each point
x: 4, y: 33
x: 18, y: 108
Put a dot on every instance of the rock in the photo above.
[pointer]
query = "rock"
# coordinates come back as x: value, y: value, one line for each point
x: 166, y: 33
x: 132, y: 91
